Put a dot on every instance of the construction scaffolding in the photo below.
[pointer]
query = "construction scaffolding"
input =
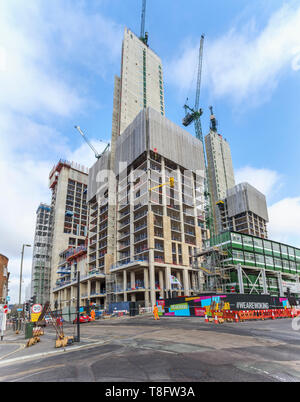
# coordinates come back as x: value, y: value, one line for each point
x: 210, y: 262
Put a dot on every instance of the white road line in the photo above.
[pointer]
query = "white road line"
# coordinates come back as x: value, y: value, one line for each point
x: 43, y: 354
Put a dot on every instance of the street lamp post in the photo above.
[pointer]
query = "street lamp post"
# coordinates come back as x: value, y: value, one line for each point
x: 20, y: 286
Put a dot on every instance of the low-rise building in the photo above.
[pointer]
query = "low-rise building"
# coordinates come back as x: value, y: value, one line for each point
x: 256, y: 265
x: 4, y: 276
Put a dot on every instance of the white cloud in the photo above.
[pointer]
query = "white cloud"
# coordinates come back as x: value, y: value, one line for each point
x: 40, y: 45
x: 44, y: 48
x: 244, y: 64
x: 265, y: 180
x: 284, y: 222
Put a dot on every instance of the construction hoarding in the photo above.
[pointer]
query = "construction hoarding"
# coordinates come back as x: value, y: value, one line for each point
x: 204, y: 303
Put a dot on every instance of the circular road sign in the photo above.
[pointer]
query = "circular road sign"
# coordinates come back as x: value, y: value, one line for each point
x: 36, y: 308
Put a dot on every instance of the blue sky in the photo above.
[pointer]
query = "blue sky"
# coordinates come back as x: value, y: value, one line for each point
x: 57, y: 66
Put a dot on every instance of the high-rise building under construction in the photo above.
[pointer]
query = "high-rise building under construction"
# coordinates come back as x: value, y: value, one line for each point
x: 69, y: 216
x: 141, y: 81
x: 220, y: 171
x: 139, y: 238
x: 40, y: 275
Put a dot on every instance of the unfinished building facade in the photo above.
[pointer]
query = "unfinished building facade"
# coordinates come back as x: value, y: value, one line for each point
x: 155, y: 230
x: 40, y: 275
x: 69, y: 215
x: 244, y: 210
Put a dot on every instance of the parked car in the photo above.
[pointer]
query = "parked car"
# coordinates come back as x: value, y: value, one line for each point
x: 82, y: 318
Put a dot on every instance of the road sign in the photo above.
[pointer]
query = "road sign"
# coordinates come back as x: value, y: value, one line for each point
x: 35, y: 317
x: 36, y: 308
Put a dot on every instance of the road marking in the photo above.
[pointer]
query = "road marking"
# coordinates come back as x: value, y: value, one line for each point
x: 29, y: 373
x: 22, y: 346
x: 43, y: 354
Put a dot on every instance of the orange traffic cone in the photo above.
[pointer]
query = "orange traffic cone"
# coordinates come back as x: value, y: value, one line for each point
x: 236, y: 319
x: 206, y: 318
x: 273, y: 316
x: 216, y: 319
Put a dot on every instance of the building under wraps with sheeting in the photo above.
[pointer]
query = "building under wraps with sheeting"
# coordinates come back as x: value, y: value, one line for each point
x: 140, y: 237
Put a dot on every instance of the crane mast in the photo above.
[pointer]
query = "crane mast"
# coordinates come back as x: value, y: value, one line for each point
x: 194, y: 115
x: 143, y: 34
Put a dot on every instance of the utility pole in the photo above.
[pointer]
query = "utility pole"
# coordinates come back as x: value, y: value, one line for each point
x: 20, y: 286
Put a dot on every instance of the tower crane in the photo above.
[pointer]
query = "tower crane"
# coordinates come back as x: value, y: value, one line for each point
x: 195, y: 113
x: 143, y: 34
x: 97, y: 155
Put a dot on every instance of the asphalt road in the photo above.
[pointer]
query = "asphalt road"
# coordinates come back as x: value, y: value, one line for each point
x: 140, y: 349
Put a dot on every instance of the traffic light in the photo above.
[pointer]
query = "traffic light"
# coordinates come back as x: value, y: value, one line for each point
x: 27, y: 307
x: 32, y: 300
x: 171, y: 182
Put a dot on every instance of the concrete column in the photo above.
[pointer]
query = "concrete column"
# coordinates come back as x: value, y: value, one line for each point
x: 98, y: 287
x: 167, y: 281
x: 146, y: 283
x: 124, y: 284
x: 186, y: 282
x: 89, y: 288
x: 132, y: 279
x: 132, y: 285
x: 161, y: 282
x: 178, y: 276
x: 152, y: 278
x: 200, y: 286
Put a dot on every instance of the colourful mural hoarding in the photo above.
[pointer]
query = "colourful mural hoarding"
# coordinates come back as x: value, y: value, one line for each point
x: 200, y: 305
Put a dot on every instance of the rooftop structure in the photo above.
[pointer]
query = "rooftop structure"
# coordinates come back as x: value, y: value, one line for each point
x: 244, y: 210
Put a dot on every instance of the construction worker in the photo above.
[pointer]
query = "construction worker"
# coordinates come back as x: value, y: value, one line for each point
x: 155, y: 312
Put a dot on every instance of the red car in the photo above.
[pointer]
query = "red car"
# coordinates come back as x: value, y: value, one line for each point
x: 82, y: 318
